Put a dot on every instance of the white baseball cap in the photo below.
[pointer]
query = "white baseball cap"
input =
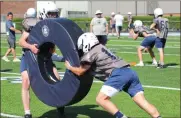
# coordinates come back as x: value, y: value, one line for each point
x: 98, y: 12
x: 129, y: 13
x: 112, y: 13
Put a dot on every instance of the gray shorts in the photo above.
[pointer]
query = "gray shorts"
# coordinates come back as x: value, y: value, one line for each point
x: 11, y: 42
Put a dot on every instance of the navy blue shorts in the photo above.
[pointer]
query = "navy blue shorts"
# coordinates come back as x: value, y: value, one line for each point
x: 125, y: 79
x: 148, y: 42
x: 23, y: 64
x: 113, y: 26
x: 102, y: 39
x: 160, y: 43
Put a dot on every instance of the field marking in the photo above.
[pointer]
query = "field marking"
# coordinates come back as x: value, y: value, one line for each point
x: 136, y: 46
x: 146, y: 53
x: 10, y: 116
x: 10, y: 73
x: 97, y: 81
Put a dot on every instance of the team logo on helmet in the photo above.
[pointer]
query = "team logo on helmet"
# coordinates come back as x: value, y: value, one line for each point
x: 45, y: 31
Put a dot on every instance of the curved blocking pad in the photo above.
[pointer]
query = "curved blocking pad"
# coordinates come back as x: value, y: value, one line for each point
x: 64, y: 34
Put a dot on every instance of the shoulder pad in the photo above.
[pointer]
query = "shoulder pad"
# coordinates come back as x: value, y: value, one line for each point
x: 29, y: 23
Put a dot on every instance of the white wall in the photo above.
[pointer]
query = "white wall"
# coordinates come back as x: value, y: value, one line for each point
x: 170, y: 6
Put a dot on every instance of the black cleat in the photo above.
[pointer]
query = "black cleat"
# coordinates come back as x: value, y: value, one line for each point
x: 61, y: 113
x: 160, y: 66
x: 27, y: 116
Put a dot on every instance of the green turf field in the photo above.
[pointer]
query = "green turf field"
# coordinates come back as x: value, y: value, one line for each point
x: 162, y: 86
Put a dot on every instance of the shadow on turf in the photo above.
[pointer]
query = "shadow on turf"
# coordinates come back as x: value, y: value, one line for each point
x: 75, y: 111
x: 166, y: 65
x: 6, y: 70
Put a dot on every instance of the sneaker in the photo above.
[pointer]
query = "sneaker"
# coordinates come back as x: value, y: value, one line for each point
x: 155, y: 63
x: 27, y: 116
x: 60, y: 111
x: 139, y: 64
x: 5, y: 59
x: 16, y: 60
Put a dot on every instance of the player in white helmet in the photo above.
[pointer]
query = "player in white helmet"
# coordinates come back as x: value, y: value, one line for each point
x: 130, y: 19
x: 160, y: 25
x: 148, y: 42
x: 28, y: 23
x: 48, y: 10
x: 114, y: 71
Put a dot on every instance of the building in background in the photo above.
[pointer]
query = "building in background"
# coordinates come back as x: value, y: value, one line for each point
x: 88, y: 8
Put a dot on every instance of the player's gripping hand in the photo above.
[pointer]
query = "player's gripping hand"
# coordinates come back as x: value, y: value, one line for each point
x: 67, y: 65
x: 34, y: 48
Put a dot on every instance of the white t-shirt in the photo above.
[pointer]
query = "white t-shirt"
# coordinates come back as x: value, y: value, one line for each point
x: 119, y: 20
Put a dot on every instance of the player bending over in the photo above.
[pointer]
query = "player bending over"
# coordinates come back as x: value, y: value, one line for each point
x: 148, y: 42
x: 160, y: 25
x: 28, y: 23
x: 115, y: 72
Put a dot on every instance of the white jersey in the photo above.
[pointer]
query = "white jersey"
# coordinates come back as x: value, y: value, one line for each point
x: 119, y: 20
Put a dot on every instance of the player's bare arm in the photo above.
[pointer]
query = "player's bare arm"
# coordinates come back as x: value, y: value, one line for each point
x: 23, y: 43
x: 13, y: 29
x: 77, y: 70
x: 133, y: 34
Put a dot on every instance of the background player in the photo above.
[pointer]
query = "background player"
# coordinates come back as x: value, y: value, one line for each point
x: 28, y: 23
x: 160, y: 25
x: 116, y: 73
x: 148, y: 42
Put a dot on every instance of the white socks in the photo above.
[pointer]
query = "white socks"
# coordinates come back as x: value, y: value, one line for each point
x: 27, y: 112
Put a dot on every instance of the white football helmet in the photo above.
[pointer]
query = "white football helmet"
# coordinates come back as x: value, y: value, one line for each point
x: 31, y: 13
x: 112, y: 13
x: 86, y: 41
x: 158, y: 12
x: 49, y: 10
x: 138, y: 23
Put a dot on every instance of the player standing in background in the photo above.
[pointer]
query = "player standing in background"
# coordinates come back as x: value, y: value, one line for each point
x: 130, y: 20
x: 115, y: 72
x: 160, y: 25
x: 99, y: 27
x: 112, y: 23
x: 119, y: 23
x: 11, y: 38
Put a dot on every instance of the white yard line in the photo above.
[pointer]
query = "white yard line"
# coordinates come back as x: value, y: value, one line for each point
x: 10, y: 73
x: 146, y: 53
x: 10, y: 116
x: 137, y: 46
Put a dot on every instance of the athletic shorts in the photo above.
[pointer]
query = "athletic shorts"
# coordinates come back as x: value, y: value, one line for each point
x: 24, y: 66
x: 160, y: 43
x: 102, y: 39
x: 118, y: 28
x: 11, y: 42
x: 148, y: 42
x: 122, y: 79
x: 113, y: 26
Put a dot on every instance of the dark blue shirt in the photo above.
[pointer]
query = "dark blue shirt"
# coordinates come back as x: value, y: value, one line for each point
x: 11, y: 33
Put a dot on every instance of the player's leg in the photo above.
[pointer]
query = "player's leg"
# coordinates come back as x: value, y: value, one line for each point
x: 115, y: 83
x: 160, y: 44
x: 5, y: 57
x: 113, y: 29
x: 13, y: 46
x: 150, y: 50
x: 135, y: 90
x: 25, y: 88
x: 117, y: 31
x: 55, y: 71
x: 139, y: 51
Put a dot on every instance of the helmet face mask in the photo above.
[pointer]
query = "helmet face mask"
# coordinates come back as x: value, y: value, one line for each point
x: 49, y: 11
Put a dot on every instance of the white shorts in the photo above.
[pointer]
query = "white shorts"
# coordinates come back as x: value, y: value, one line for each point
x: 108, y: 90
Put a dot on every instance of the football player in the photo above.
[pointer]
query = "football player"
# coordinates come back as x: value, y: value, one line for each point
x: 160, y: 25
x: 115, y: 72
x: 28, y: 23
x: 148, y: 42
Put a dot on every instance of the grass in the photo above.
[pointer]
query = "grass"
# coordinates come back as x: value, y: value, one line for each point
x: 166, y: 101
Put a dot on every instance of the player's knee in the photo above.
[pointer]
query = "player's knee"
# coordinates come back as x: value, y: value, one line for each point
x: 25, y: 80
x: 101, y: 98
